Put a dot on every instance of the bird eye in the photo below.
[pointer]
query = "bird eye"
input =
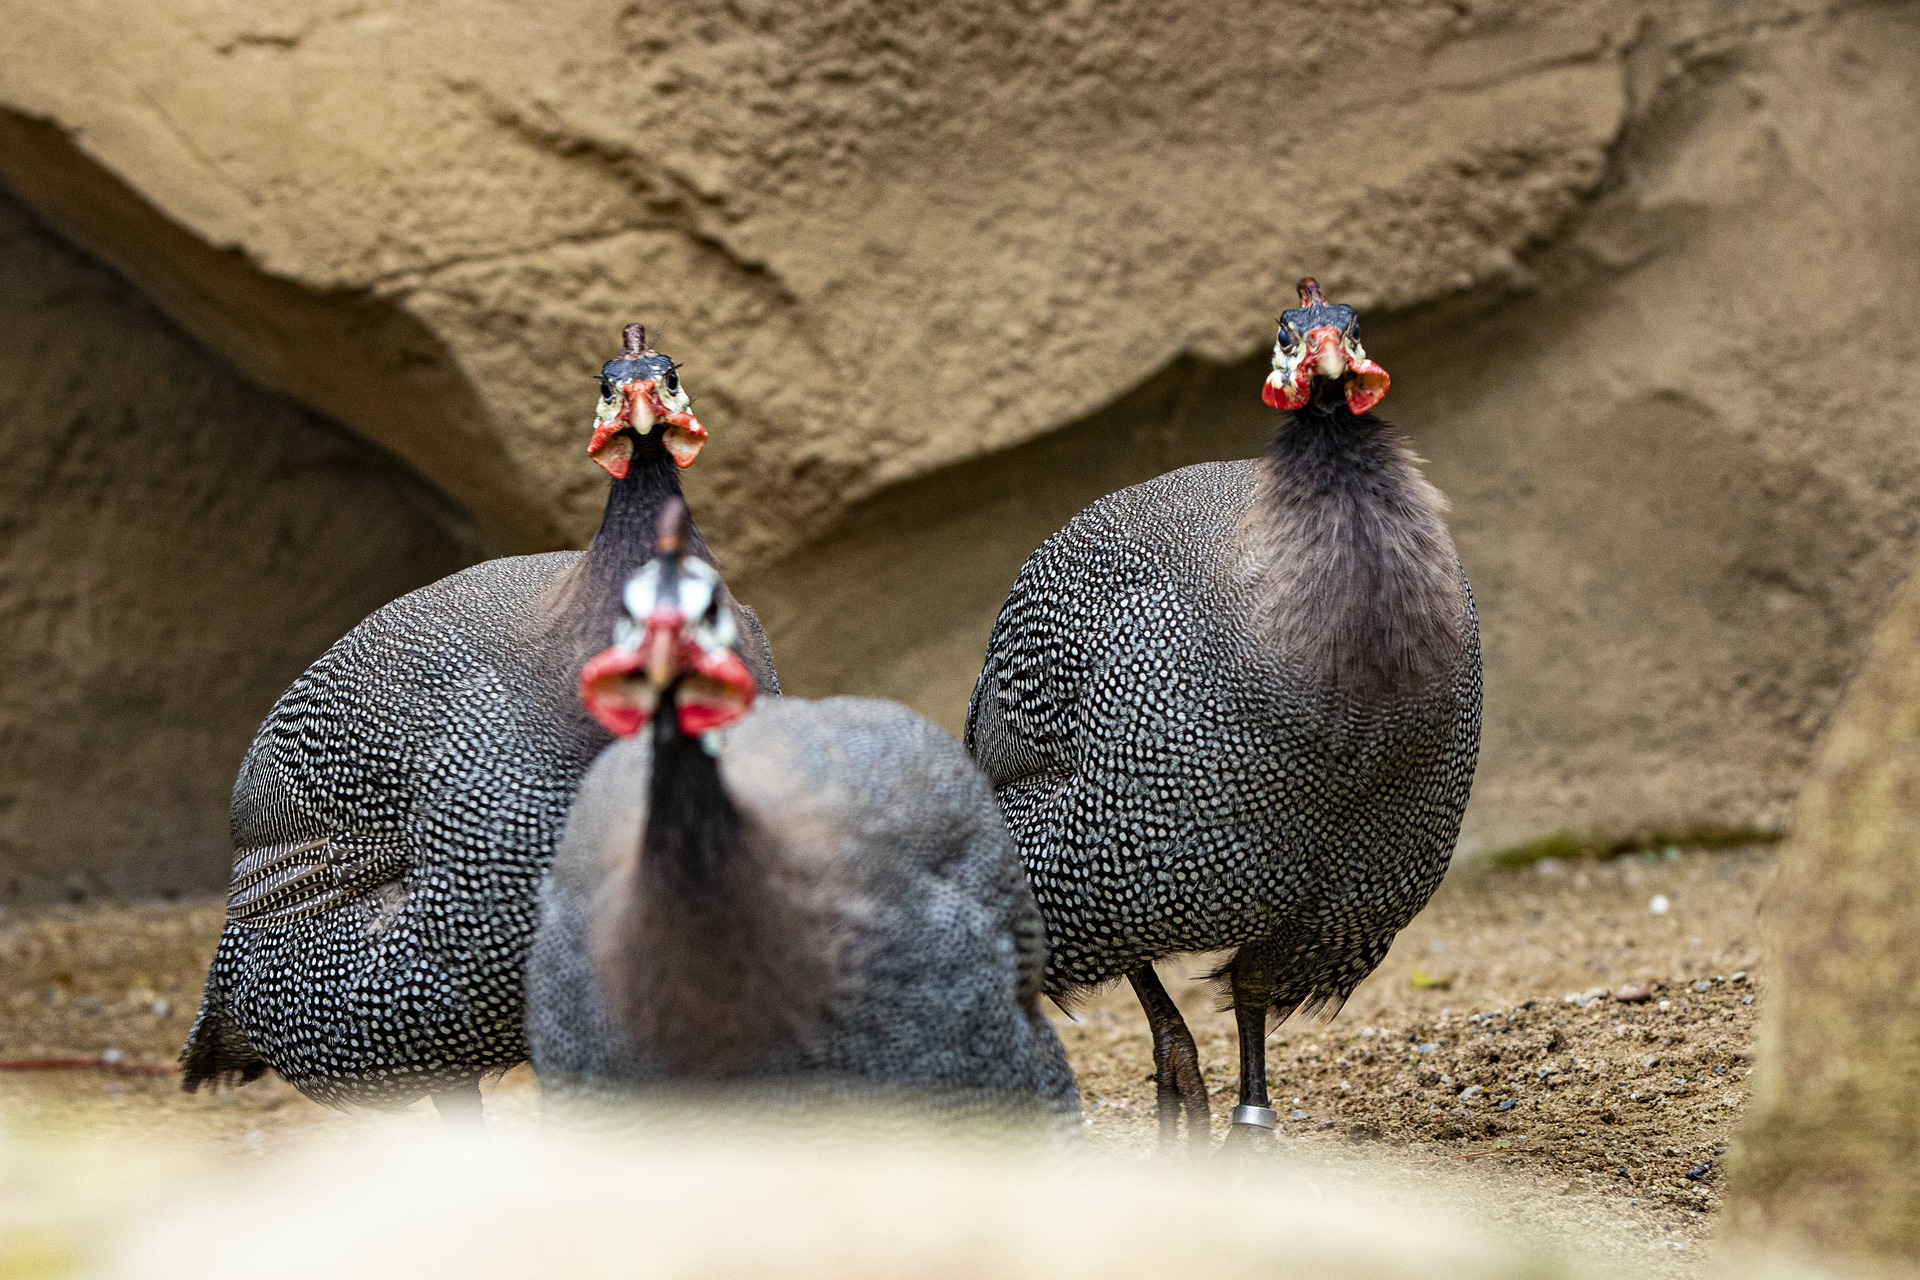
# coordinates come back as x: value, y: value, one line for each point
x: 1353, y: 330
x: 606, y: 389
x: 1288, y: 338
x: 673, y: 380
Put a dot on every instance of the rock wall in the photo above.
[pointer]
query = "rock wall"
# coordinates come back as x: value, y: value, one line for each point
x: 1828, y: 1165
x: 175, y: 545
x: 1682, y: 441
x: 1642, y: 272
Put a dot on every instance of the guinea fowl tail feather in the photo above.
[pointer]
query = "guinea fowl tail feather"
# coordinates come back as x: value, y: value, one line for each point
x: 716, y: 950
x: 216, y: 1053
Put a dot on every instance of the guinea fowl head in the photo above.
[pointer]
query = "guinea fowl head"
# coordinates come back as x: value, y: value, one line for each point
x: 673, y: 646
x: 1319, y: 349
x: 639, y: 391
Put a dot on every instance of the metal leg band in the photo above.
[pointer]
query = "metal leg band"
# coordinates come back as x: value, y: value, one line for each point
x: 1258, y: 1117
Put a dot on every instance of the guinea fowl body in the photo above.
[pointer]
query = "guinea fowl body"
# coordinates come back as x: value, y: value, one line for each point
x: 393, y: 817
x: 1237, y: 706
x: 876, y: 825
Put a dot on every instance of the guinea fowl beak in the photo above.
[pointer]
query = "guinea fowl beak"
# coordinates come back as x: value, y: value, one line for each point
x: 640, y: 407
x: 660, y: 647
x: 1320, y: 340
x: 1323, y: 353
x: 644, y: 407
x: 1326, y: 352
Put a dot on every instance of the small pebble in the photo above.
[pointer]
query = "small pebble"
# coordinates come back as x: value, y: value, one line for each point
x: 1297, y: 1115
x: 1746, y: 999
x: 1473, y: 1091
x: 1703, y: 985
x: 1651, y: 1062
x: 1719, y: 1071
x: 1508, y: 1105
x: 1660, y: 904
x: 1741, y: 976
x: 1664, y: 1005
x: 1634, y: 993
x: 1699, y: 1171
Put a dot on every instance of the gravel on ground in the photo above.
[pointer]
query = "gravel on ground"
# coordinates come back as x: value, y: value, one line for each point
x: 1561, y: 1050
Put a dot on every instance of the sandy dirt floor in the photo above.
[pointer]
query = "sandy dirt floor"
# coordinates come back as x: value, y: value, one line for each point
x: 1489, y: 1066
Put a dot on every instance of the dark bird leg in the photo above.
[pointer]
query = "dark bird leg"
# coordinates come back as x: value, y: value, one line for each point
x: 1252, y: 988
x: 1177, y: 1080
x: 460, y: 1108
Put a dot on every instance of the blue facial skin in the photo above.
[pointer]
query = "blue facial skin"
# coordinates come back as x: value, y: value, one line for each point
x: 636, y: 368
x: 1296, y: 323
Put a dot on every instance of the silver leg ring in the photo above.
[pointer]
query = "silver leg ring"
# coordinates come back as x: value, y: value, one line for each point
x: 1259, y: 1117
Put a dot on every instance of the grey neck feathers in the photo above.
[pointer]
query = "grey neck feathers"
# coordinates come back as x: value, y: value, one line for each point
x: 588, y: 602
x: 584, y: 604
x: 712, y: 947
x: 1360, y: 588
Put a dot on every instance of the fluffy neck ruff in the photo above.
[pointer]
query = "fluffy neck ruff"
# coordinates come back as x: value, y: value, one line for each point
x: 711, y: 948
x: 1361, y: 588
x: 589, y: 602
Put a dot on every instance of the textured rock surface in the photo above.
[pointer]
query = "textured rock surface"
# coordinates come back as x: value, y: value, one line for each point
x: 175, y: 545
x: 1830, y: 1161
x: 941, y: 276
x: 883, y: 236
x: 1682, y: 443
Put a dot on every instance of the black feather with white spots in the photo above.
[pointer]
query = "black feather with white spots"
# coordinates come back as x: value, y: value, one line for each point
x: 1175, y: 787
x: 395, y: 813
x: 939, y: 949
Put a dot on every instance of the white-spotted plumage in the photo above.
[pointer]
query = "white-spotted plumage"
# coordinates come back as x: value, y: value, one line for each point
x: 1175, y: 783
x: 396, y: 810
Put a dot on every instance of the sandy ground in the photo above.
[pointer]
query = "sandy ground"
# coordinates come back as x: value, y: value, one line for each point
x: 1487, y: 1067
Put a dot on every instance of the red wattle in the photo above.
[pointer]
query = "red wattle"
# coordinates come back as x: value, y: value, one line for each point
x: 1291, y: 394
x: 1367, y: 386
x: 719, y: 690
x: 684, y: 438
x: 601, y: 681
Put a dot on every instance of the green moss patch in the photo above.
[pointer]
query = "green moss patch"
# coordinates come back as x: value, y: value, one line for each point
x: 1594, y: 845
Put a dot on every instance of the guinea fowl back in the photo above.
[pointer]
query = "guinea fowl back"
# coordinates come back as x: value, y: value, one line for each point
x: 424, y: 726
x: 1168, y: 714
x: 1238, y: 706
x: 876, y: 828
x: 398, y: 805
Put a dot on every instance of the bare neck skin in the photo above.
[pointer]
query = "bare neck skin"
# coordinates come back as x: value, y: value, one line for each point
x: 1361, y: 589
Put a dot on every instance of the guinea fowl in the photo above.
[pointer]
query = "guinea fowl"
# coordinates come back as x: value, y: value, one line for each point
x: 1238, y: 706
x: 397, y: 808
x: 816, y: 898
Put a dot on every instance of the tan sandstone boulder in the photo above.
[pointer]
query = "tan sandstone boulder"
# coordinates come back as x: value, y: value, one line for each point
x: 1829, y: 1163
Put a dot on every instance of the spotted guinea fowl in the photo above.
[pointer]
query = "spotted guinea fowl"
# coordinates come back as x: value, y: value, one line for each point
x: 1238, y: 706
x: 809, y: 899
x: 395, y: 811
